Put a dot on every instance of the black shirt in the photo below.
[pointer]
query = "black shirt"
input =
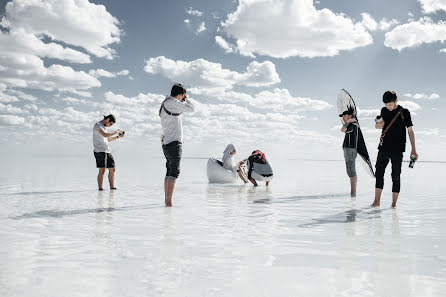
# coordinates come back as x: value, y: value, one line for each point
x: 395, y: 138
x: 351, y: 136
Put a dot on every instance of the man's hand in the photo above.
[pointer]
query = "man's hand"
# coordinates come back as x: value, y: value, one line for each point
x: 121, y: 135
x: 352, y: 120
x: 118, y: 131
x: 414, y: 153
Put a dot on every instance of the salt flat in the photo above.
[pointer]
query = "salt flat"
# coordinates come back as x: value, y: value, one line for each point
x: 304, y: 236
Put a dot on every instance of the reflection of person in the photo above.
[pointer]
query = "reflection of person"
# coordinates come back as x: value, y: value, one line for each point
x: 393, y: 120
x: 172, y: 138
x: 350, y: 128
x: 259, y: 168
x: 104, y: 158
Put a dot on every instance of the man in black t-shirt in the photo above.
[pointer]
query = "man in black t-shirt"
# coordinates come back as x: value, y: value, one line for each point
x: 392, y: 144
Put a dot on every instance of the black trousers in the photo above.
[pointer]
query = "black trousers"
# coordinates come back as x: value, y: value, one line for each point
x: 172, y: 152
x: 381, y: 163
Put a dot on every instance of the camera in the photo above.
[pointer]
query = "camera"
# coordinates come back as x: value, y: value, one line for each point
x: 413, y: 159
x: 122, y: 133
x: 378, y: 119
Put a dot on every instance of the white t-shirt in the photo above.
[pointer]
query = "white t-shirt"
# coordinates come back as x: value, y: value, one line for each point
x: 100, y: 143
x: 172, y: 125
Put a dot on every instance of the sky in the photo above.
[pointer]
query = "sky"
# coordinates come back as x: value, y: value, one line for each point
x: 263, y: 74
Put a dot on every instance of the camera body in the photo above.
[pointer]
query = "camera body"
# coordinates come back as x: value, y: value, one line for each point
x: 413, y: 159
x: 122, y: 133
x: 378, y: 119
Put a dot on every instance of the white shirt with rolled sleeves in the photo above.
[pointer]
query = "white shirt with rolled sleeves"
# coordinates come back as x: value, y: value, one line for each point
x: 172, y: 125
x: 100, y: 143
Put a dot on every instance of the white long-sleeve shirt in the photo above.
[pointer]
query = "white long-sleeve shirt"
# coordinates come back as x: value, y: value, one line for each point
x: 172, y: 125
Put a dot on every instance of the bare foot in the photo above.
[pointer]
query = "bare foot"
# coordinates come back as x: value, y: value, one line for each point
x: 353, y: 194
x: 393, y: 205
x: 375, y: 204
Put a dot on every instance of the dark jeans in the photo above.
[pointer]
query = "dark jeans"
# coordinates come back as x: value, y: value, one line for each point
x: 173, y: 151
x: 381, y: 163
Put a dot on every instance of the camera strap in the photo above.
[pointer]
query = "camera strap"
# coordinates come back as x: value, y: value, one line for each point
x: 381, y: 140
x: 168, y: 112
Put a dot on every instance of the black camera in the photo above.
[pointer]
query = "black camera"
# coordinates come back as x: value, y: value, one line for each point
x: 122, y: 133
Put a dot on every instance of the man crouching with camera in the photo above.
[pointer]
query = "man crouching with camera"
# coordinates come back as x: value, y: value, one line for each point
x: 104, y: 158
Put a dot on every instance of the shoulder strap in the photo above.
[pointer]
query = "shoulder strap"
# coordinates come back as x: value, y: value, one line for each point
x: 168, y: 112
x: 392, y: 121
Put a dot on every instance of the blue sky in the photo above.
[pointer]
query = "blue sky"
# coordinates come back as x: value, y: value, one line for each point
x: 264, y: 74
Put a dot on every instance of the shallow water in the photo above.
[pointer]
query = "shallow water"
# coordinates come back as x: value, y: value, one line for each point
x: 304, y: 236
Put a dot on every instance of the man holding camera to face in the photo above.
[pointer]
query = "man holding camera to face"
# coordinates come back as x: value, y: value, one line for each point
x: 172, y: 139
x: 102, y: 154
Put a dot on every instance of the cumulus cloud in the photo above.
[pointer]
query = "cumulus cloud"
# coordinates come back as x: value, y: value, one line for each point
x: 369, y: 22
x: 294, y: 28
x: 73, y: 22
x: 11, y: 120
x: 64, y: 23
x: 19, y: 41
x: 29, y: 71
x: 431, y: 6
x: 208, y: 77
x: 423, y: 96
x: 415, y: 34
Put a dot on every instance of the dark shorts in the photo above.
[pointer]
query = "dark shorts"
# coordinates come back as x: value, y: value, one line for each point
x: 104, y: 160
x: 173, y: 151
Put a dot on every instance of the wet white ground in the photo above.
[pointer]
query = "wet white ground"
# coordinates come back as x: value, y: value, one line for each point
x: 302, y: 237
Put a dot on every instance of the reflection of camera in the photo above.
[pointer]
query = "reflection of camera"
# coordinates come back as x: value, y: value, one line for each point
x: 378, y: 119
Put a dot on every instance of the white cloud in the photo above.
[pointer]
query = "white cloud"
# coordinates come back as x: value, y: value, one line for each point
x: 209, y: 77
x: 6, y: 98
x: 187, y: 21
x: 11, y: 120
x: 194, y: 12
x: 10, y: 109
x: 430, y: 6
x: 101, y: 73
x: 293, y: 28
x: 280, y: 100
x: 29, y: 71
x: 443, y: 50
x: 229, y: 48
x: 423, y: 96
x: 416, y: 33
x: 412, y: 106
x: 19, y: 41
x: 368, y: 113
x: 123, y: 72
x: 385, y: 25
x: 369, y: 22
x: 73, y: 22
x: 201, y: 28
x: 104, y: 73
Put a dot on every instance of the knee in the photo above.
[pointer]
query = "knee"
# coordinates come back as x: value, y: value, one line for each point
x: 101, y: 171
x: 111, y: 170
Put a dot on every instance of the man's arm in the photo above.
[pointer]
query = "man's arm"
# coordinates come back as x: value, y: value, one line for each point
x: 179, y: 106
x: 108, y: 134
x: 412, y: 141
x: 344, y: 127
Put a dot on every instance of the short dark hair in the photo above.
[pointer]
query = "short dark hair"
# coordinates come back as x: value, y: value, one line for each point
x: 111, y: 118
x: 389, y: 96
x: 177, y: 89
